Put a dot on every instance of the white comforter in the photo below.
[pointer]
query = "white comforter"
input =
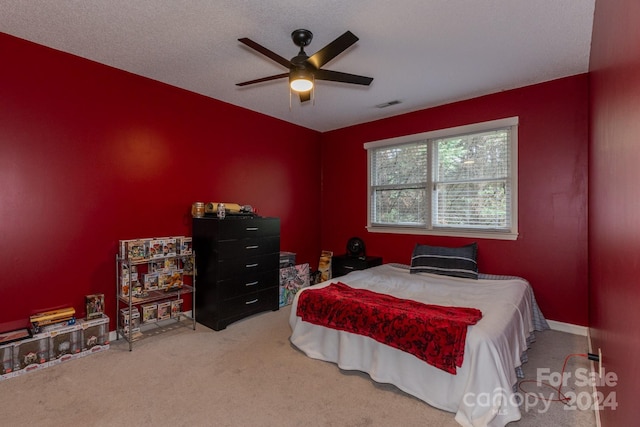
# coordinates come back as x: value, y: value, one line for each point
x: 481, y: 393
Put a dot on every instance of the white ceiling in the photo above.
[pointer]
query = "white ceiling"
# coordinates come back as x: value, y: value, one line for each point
x: 421, y: 52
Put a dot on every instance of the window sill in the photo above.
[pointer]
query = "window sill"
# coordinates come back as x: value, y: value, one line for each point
x: 497, y: 235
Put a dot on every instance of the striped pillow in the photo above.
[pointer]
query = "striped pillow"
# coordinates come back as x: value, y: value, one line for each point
x: 456, y: 262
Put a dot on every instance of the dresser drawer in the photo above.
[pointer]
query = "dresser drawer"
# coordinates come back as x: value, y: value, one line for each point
x: 249, y: 247
x: 237, y: 286
x: 254, y: 302
x: 231, y: 229
x: 235, y: 267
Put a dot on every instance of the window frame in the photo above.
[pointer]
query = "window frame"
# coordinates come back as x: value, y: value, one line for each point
x: 428, y: 137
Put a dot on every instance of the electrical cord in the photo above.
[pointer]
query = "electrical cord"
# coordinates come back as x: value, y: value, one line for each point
x: 561, y: 397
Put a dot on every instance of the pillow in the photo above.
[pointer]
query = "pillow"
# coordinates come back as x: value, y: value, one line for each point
x: 455, y: 262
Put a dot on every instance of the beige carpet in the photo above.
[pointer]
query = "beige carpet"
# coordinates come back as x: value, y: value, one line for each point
x: 246, y: 375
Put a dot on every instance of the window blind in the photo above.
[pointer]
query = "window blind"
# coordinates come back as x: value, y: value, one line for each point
x: 399, y: 177
x: 471, y: 183
x: 459, y: 181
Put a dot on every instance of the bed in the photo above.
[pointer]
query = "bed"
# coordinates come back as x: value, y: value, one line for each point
x: 481, y: 391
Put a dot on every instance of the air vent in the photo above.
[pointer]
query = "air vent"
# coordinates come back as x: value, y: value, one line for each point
x: 388, y: 104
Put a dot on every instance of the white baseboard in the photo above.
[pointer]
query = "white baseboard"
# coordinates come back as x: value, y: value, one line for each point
x: 568, y: 327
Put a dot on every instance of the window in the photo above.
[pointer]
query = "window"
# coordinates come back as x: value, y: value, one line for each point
x: 458, y: 182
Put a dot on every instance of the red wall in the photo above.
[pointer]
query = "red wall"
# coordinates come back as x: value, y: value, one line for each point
x: 551, y: 251
x: 614, y: 202
x: 91, y: 155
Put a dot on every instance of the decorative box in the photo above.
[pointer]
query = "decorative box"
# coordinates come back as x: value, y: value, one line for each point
x: 292, y: 279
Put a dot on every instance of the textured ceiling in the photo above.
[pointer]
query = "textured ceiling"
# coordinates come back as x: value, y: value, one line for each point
x: 422, y: 53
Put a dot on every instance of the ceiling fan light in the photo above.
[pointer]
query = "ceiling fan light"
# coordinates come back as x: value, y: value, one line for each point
x: 301, y: 85
x: 301, y: 81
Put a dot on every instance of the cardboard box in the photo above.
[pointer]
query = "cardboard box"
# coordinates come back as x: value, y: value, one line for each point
x: 324, y: 266
x: 130, y: 320
x: 151, y: 282
x: 6, y: 358
x: 149, y: 313
x: 176, y: 308
x: 164, y: 310
x: 64, y: 340
x: 31, y: 352
x: 95, y: 305
x: 187, y: 265
x: 128, y: 278
x: 156, y: 248
x: 169, y: 247
x: 136, y: 250
x: 185, y: 245
x: 174, y: 280
x: 95, y: 333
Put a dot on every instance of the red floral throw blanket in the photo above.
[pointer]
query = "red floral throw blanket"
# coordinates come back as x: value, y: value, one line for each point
x: 433, y: 333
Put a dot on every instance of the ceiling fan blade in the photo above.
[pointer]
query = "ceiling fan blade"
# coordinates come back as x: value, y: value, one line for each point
x: 264, y: 79
x: 337, y: 76
x: 266, y: 52
x: 305, y: 96
x: 332, y: 50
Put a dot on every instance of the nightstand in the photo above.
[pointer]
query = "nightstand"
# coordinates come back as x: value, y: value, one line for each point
x: 343, y: 264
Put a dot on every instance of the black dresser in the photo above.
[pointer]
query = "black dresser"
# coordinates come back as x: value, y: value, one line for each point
x: 238, y: 261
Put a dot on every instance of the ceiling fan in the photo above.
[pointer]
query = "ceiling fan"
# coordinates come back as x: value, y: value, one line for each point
x: 304, y: 69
